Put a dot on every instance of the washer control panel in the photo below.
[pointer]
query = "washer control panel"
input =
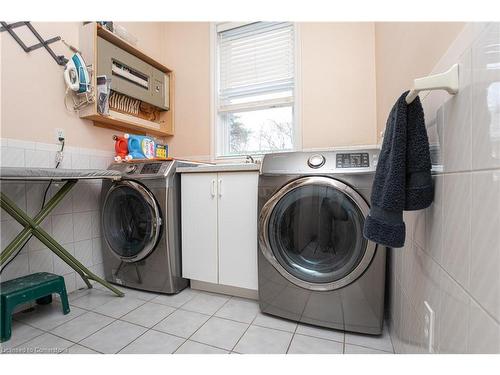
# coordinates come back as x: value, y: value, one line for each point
x: 353, y: 160
x: 131, y: 168
x: 142, y: 169
x: 150, y: 168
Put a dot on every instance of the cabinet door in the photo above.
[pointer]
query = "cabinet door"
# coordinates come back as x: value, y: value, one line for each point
x: 237, y: 210
x: 199, y: 226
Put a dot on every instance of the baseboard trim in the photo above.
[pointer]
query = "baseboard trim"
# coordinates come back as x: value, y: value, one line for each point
x: 225, y: 289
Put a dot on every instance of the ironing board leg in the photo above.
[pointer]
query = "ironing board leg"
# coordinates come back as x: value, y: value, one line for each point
x: 22, y: 237
x: 31, y: 226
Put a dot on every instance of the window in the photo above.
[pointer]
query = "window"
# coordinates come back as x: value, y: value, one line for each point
x: 255, y: 85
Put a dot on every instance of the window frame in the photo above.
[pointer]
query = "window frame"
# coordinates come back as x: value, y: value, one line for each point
x: 216, y: 138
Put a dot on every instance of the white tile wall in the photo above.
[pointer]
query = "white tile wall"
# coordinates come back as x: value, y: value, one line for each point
x: 452, y: 261
x: 75, y: 222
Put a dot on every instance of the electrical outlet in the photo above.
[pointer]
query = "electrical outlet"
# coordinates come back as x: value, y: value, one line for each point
x: 429, y: 320
x: 59, y: 134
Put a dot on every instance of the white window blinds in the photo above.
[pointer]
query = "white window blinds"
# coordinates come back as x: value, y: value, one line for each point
x: 256, y: 65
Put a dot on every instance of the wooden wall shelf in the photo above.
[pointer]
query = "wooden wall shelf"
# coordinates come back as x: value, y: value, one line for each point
x: 121, y: 121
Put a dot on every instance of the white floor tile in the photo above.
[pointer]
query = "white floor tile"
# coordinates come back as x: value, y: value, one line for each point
x: 239, y: 309
x: 260, y: 340
x: 82, y: 326
x: 78, y: 349
x: 94, y: 298
x: 154, y: 342
x: 78, y: 293
x: 221, y: 333
x: 268, y: 321
x: 322, y: 333
x: 114, y: 337
x: 382, y: 342
x: 176, y: 300
x: 354, y: 349
x: 21, y: 333
x: 47, y: 317
x: 44, y: 344
x: 118, y: 307
x: 146, y: 296
x: 206, y: 303
x: 313, y: 345
x: 148, y: 314
x: 192, y: 347
x: 181, y: 323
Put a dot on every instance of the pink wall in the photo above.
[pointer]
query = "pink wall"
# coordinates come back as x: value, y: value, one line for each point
x: 338, y: 84
x: 404, y: 51
x: 351, y: 74
x: 187, y: 52
x: 32, y: 86
x: 337, y: 79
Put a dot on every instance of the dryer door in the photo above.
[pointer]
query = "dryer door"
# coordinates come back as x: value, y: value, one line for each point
x: 131, y: 221
x: 311, y: 231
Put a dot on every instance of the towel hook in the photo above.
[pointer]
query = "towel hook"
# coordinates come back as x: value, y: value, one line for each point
x: 443, y: 81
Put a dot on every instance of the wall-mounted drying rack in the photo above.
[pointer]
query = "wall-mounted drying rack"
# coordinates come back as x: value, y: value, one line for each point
x: 443, y: 81
x: 60, y: 60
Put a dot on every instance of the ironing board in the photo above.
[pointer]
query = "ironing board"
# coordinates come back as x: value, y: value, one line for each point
x: 32, y: 225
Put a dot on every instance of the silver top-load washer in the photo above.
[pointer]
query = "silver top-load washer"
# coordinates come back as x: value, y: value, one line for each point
x: 140, y: 226
x: 315, y: 266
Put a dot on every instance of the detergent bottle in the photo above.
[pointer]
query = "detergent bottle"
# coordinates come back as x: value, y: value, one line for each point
x: 141, y: 147
x: 121, y: 147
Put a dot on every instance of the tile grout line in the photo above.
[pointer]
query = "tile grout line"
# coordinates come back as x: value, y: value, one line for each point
x: 237, y: 342
x: 369, y: 347
x: 293, y: 336
x: 87, y: 311
x: 64, y: 338
x: 390, y: 337
x: 211, y: 316
x: 84, y: 347
x: 119, y: 319
x: 149, y: 328
x: 203, y: 343
x: 463, y: 288
x: 78, y: 342
x: 24, y: 342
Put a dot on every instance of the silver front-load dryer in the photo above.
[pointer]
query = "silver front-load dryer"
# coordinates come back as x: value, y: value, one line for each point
x: 315, y: 266
x: 140, y: 223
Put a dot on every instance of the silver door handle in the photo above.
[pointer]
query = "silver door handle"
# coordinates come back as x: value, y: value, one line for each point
x: 212, y: 189
x: 220, y: 187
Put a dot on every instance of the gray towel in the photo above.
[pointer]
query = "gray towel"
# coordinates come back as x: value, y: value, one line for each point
x: 403, y: 178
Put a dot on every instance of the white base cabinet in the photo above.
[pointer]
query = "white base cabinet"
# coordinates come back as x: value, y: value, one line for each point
x: 219, y: 228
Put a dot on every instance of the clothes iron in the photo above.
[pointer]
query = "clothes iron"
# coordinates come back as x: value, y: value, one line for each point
x: 76, y: 74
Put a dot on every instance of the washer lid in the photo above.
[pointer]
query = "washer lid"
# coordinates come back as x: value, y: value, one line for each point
x: 131, y: 221
x: 311, y: 231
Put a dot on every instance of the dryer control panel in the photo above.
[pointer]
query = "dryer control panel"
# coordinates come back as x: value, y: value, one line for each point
x: 342, y: 161
x: 353, y: 160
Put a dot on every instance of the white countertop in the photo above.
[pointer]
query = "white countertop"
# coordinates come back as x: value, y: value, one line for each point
x: 235, y: 167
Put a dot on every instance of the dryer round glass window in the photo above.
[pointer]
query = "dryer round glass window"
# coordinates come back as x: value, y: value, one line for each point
x: 314, y: 233
x: 131, y: 221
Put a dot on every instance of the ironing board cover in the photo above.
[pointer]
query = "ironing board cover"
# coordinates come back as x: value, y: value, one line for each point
x: 15, y: 173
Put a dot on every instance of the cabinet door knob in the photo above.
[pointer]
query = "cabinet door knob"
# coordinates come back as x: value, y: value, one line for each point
x: 212, y: 189
x: 220, y: 187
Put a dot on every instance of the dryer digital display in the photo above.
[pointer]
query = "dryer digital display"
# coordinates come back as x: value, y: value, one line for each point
x: 353, y: 160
